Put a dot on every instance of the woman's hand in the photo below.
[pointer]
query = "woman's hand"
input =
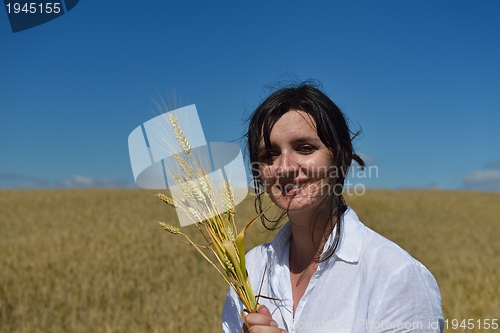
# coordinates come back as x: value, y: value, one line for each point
x: 261, y: 322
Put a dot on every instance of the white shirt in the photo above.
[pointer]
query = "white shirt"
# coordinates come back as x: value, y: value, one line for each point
x: 370, y: 284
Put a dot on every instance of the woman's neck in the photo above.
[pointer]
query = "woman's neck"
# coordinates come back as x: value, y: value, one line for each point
x: 306, y: 244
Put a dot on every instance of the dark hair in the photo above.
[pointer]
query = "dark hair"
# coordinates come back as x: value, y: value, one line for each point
x: 332, y: 128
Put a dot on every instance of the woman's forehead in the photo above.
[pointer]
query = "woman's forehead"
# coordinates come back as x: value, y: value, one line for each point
x: 295, y: 124
x: 290, y: 116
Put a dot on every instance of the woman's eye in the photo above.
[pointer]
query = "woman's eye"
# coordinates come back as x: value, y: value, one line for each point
x: 306, y: 149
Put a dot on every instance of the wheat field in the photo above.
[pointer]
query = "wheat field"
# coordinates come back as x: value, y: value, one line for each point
x: 97, y: 261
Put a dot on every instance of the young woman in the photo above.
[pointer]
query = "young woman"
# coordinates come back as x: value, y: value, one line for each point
x: 324, y: 271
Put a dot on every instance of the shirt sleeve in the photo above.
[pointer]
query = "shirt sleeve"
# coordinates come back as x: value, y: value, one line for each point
x: 411, y: 302
x: 231, y: 318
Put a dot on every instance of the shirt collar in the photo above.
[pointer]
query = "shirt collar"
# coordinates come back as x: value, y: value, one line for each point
x: 351, y: 238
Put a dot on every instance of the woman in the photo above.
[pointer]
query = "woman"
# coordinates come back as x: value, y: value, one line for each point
x: 324, y: 271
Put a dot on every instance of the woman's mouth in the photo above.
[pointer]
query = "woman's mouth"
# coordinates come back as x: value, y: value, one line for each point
x: 291, y: 189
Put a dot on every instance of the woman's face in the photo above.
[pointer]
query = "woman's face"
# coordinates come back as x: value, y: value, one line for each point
x: 295, y: 169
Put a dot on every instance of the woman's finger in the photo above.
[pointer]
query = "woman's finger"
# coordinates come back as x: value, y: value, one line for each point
x: 258, y: 319
x: 264, y: 311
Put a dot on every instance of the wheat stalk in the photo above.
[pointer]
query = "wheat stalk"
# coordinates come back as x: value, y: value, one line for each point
x: 218, y: 227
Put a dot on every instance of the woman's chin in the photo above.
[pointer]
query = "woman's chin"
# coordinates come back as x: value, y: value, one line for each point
x: 294, y: 203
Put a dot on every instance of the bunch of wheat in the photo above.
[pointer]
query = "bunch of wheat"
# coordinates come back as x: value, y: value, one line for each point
x: 216, y: 225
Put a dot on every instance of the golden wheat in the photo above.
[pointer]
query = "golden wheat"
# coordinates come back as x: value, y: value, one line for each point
x: 96, y: 261
x: 217, y: 226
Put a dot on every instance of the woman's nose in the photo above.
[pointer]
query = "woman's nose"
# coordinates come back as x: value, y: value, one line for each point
x: 287, y: 166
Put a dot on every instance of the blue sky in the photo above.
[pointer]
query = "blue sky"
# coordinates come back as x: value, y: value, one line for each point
x: 420, y: 78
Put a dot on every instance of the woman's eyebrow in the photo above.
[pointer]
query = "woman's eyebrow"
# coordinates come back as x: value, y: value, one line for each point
x: 301, y: 139
x: 306, y: 139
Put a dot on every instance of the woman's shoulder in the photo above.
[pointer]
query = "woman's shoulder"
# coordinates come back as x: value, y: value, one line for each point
x: 387, y: 260
x: 376, y: 245
x: 399, y: 276
x: 382, y: 256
